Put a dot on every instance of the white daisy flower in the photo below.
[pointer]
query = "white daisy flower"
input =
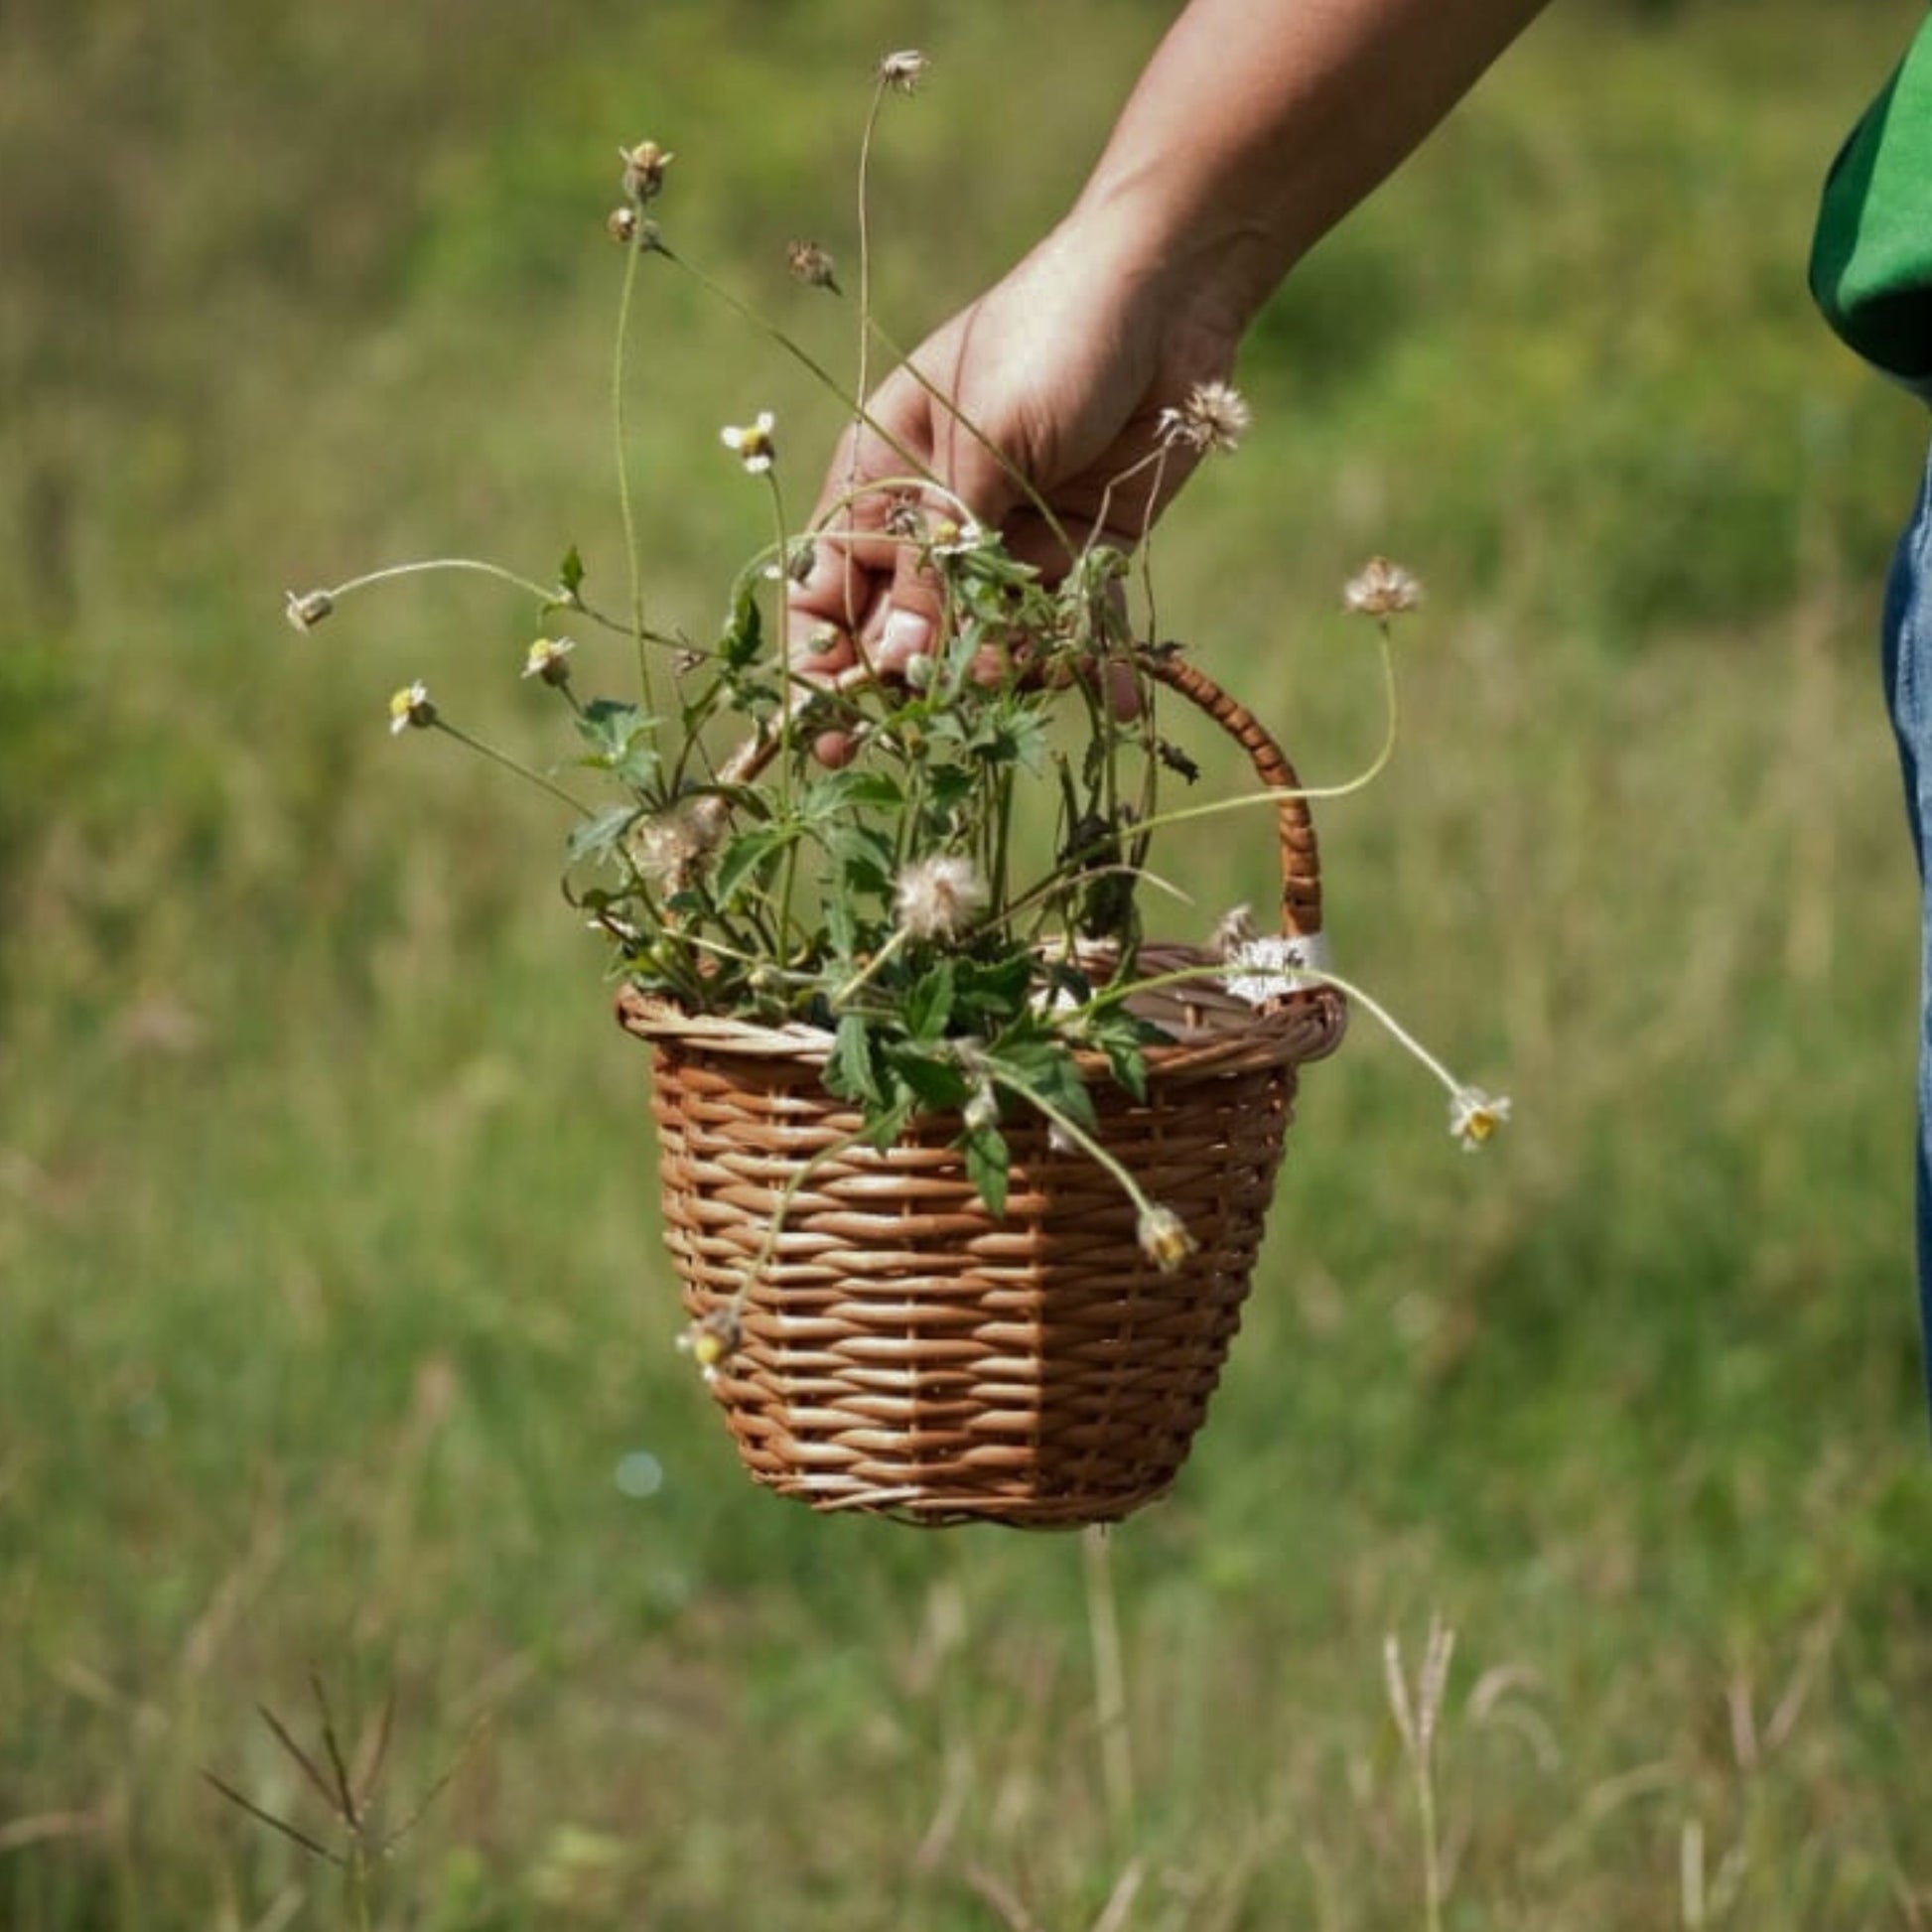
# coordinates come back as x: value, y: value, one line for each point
x: 752, y: 442
x: 411, y: 706
x: 1165, y: 1239
x: 546, y: 660
x: 1474, y: 1115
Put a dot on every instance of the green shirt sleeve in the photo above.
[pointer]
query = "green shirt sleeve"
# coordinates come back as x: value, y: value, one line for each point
x: 1872, y: 254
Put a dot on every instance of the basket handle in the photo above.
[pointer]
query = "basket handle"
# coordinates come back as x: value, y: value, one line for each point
x: 1295, y: 825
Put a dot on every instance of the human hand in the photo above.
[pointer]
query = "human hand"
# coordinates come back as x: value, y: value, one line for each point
x: 1038, y: 412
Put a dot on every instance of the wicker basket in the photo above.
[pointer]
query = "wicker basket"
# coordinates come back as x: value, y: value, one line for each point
x: 903, y: 1353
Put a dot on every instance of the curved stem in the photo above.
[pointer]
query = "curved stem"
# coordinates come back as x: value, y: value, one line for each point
x: 510, y: 764
x: 415, y: 568
x: 1278, y: 794
x: 799, y: 356
x: 1075, y: 1133
x: 864, y: 386
x: 625, y: 510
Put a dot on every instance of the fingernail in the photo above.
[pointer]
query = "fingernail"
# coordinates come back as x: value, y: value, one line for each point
x: 906, y: 635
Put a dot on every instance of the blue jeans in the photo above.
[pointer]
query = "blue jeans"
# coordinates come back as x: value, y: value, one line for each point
x: 1908, y: 684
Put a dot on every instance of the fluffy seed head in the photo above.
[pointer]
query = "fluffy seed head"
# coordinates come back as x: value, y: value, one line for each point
x: 938, y: 897
x: 1381, y: 589
x: 903, y: 71
x: 1213, y: 416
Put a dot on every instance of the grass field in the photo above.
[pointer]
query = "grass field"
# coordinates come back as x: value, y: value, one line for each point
x: 336, y: 1338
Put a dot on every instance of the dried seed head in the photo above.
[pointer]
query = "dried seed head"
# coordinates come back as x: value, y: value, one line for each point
x: 905, y: 519
x: 903, y: 71
x: 307, y: 609
x: 938, y: 897
x: 1432, y: 1682
x: 1381, y: 590
x: 1212, y: 416
x: 671, y: 849
x: 643, y: 170
x: 812, y: 265
x: 1235, y: 929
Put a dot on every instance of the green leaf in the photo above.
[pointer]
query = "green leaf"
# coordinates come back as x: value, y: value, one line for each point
x: 850, y: 1073
x: 570, y: 574
x: 933, y: 1080
x: 841, y: 792
x: 743, y: 630
x: 886, y: 1125
x: 928, y: 1006
x: 596, y: 836
x: 640, y: 768
x: 1041, y: 1066
x: 613, y: 728
x: 988, y: 1163
x: 990, y: 995
x: 742, y: 856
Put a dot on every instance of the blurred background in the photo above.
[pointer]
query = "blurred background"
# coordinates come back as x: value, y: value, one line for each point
x: 334, y: 1333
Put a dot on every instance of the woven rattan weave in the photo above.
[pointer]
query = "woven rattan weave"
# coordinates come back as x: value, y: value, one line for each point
x: 903, y: 1352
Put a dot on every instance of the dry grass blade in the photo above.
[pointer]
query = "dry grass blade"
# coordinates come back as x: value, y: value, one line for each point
x: 368, y: 1777
x: 331, y: 1745
x: 313, y: 1846
x: 308, y: 1765
x: 437, y: 1789
x: 1398, y: 1688
x: 1001, y: 1898
x: 1113, y: 1916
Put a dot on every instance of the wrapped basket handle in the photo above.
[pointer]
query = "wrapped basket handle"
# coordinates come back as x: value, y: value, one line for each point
x: 1294, y: 823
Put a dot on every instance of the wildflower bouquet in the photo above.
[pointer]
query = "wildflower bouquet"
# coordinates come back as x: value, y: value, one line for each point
x: 963, y: 1175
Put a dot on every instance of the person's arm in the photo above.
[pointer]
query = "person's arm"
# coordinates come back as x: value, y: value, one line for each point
x: 1256, y: 126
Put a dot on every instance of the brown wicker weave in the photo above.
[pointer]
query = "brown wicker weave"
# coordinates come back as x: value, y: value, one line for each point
x: 901, y: 1352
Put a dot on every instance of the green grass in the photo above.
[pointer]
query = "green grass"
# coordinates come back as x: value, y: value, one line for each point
x: 328, y: 1266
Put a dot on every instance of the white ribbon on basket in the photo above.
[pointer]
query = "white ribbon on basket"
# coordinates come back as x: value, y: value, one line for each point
x: 1272, y: 965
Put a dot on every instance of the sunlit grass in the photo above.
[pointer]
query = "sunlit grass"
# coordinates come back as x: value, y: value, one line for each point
x: 332, y: 1295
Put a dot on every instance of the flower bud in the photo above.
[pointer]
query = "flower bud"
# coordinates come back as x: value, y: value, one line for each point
x: 643, y: 170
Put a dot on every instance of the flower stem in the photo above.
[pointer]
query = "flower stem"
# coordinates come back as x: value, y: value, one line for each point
x: 1278, y: 794
x: 863, y: 385
x: 815, y: 367
x: 625, y: 510
x: 549, y: 595
x: 510, y: 764
x: 1320, y: 975
x: 1075, y: 1133
x: 842, y: 998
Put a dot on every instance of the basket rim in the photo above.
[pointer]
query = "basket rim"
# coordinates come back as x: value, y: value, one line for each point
x: 1209, y: 1029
